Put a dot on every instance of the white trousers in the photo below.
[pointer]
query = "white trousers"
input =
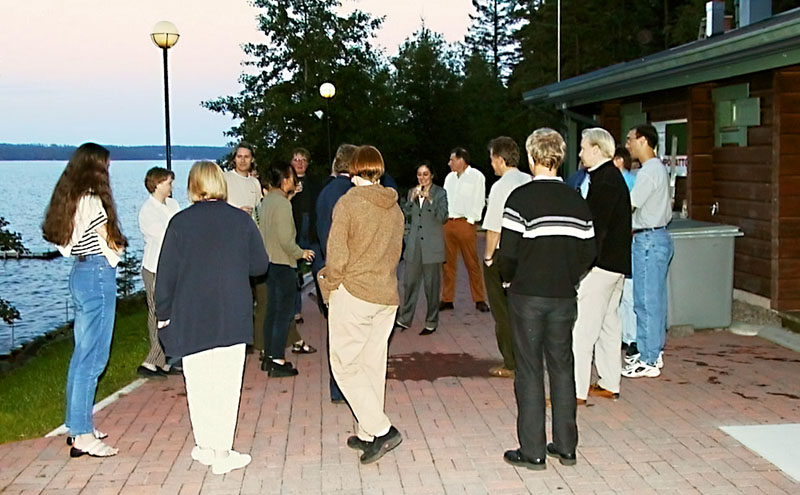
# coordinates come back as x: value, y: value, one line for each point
x: 213, y: 387
x: 359, y: 345
x: 598, y: 331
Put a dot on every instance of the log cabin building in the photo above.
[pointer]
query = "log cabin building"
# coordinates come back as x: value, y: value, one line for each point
x: 733, y: 101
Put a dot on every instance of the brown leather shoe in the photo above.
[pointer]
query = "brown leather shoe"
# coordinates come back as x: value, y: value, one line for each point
x: 501, y: 372
x: 482, y: 307
x: 596, y: 390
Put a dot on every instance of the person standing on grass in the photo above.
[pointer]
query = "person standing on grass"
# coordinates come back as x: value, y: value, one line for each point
x: 359, y: 281
x: 154, y: 216
x: 546, y: 245
x: 82, y: 221
x: 205, y: 309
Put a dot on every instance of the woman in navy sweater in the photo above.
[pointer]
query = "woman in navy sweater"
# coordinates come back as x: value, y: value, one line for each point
x: 205, y: 309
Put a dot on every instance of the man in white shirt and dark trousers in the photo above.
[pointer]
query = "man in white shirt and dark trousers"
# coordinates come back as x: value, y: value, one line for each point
x: 154, y: 216
x: 504, y: 156
x: 652, y: 251
x: 466, y: 195
x: 598, y: 331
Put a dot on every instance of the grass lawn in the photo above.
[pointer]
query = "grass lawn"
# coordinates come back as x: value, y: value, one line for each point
x: 32, y: 396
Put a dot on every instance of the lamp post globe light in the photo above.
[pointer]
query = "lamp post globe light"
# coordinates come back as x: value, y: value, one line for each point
x: 164, y: 36
x: 327, y: 90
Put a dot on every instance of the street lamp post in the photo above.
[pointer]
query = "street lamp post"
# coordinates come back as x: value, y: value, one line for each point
x: 165, y: 35
x: 327, y: 90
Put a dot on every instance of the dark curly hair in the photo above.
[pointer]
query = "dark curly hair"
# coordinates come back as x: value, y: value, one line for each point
x: 86, y: 173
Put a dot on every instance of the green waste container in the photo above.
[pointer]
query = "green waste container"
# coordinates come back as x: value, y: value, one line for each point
x: 700, y: 277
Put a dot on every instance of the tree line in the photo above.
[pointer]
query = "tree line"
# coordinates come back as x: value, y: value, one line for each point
x: 432, y: 95
x: 22, y: 152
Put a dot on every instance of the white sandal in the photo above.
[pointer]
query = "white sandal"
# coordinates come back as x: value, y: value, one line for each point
x: 97, y: 434
x: 95, y: 449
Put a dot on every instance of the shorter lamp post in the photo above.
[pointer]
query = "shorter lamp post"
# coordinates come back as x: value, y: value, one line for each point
x: 327, y: 90
x: 165, y: 35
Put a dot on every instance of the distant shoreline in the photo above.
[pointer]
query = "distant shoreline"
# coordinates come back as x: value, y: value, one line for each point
x: 53, y: 152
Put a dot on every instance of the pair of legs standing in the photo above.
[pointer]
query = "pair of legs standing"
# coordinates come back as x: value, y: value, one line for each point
x: 498, y: 302
x: 281, y: 290
x: 416, y: 275
x: 461, y: 236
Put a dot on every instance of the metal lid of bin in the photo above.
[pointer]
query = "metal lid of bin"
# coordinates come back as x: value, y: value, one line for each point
x: 687, y: 228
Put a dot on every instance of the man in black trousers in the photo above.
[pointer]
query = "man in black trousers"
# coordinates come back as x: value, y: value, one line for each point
x: 547, y: 244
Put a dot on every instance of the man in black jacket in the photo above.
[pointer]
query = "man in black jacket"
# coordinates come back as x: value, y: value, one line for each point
x: 598, y: 330
x: 546, y: 245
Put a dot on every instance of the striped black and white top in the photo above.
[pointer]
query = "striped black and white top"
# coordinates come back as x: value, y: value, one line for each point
x: 85, y: 240
x: 547, y: 243
x: 89, y: 242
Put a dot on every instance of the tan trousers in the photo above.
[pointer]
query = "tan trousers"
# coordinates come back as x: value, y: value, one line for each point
x: 598, y: 331
x: 359, y: 344
x: 460, y: 235
x: 213, y: 386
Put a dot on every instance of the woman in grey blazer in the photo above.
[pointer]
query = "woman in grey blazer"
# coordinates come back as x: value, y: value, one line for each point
x: 425, y: 210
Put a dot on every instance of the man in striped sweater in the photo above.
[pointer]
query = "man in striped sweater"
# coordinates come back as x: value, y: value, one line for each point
x: 547, y: 244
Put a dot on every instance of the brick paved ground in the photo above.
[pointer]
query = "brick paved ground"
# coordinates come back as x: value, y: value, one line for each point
x: 661, y: 437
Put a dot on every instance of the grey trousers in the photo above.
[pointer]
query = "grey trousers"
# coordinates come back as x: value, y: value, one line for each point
x: 156, y: 354
x: 416, y: 275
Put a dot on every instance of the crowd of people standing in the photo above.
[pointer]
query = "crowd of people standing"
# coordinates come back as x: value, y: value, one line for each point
x: 571, y: 273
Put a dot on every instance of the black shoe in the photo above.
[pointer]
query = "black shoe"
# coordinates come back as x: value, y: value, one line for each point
x: 444, y: 306
x: 427, y: 331
x: 632, y: 349
x: 146, y: 372
x: 565, y: 459
x: 281, y: 370
x: 515, y: 458
x: 381, y: 445
x: 357, y: 444
x: 482, y: 307
x: 173, y: 370
x: 402, y: 326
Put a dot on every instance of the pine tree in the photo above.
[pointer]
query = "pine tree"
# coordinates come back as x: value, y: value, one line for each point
x: 492, y: 34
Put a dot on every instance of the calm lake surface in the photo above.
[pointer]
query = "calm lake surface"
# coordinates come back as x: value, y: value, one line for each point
x: 38, y: 288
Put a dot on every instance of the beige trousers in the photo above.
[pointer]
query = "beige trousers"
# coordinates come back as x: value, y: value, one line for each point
x: 598, y: 331
x: 359, y: 344
x: 213, y: 386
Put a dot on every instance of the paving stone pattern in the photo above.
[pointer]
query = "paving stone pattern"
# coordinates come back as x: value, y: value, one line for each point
x: 660, y: 437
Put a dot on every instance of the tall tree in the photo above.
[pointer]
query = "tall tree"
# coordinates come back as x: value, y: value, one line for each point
x: 9, y: 241
x: 492, y: 34
x: 307, y: 43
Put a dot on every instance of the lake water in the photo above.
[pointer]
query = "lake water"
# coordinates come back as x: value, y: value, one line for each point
x: 38, y: 288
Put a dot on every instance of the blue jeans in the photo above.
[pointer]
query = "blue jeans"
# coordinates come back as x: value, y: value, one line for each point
x: 93, y: 286
x: 652, y: 252
x: 281, y: 289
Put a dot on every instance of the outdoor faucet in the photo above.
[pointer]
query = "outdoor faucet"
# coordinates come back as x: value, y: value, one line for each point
x: 715, y: 208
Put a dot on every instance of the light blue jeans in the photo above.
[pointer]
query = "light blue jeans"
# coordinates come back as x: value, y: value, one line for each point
x: 652, y: 252
x: 626, y: 315
x: 93, y: 286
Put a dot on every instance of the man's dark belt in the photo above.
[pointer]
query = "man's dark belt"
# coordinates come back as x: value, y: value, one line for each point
x: 649, y: 229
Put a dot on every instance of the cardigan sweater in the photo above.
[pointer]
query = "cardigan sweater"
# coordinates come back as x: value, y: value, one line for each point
x: 277, y: 230
x: 547, y: 242
x: 364, y: 245
x: 203, y: 287
x: 610, y: 204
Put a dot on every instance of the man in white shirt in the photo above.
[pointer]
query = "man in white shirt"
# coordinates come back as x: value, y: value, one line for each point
x: 504, y: 155
x: 244, y: 191
x: 651, y: 251
x: 466, y: 195
x: 154, y: 216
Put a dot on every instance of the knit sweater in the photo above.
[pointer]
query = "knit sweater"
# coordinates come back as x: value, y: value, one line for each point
x: 364, y: 245
x: 277, y: 230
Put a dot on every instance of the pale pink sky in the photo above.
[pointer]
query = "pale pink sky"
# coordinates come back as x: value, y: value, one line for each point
x: 81, y: 70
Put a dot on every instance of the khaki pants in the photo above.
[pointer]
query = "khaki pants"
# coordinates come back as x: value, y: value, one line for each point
x: 359, y: 343
x: 460, y: 235
x: 213, y: 386
x: 598, y: 331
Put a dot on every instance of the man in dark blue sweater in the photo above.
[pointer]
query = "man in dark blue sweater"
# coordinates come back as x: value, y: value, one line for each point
x: 335, y: 188
x: 546, y: 245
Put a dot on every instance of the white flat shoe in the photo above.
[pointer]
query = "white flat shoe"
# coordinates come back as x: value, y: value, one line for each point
x: 234, y: 460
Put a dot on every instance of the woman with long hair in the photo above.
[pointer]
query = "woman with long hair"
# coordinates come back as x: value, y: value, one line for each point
x: 276, y: 224
x: 360, y: 282
x: 205, y: 309
x: 426, y: 212
x: 81, y: 220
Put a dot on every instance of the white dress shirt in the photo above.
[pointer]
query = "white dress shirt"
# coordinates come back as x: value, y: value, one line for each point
x: 154, y: 217
x: 466, y: 194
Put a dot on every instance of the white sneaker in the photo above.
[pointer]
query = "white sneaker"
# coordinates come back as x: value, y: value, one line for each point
x: 234, y: 460
x: 203, y: 456
x: 640, y: 369
x: 660, y: 360
x: 629, y: 360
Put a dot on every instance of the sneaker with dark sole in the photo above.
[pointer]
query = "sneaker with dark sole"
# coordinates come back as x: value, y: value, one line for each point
x: 381, y: 445
x: 281, y: 370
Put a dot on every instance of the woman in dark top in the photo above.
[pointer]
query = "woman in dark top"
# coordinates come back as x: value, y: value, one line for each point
x: 205, y: 309
x: 82, y: 221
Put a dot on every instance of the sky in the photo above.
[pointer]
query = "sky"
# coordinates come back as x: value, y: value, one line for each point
x: 85, y: 70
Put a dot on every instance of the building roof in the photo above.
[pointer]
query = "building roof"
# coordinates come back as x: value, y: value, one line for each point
x: 771, y: 43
